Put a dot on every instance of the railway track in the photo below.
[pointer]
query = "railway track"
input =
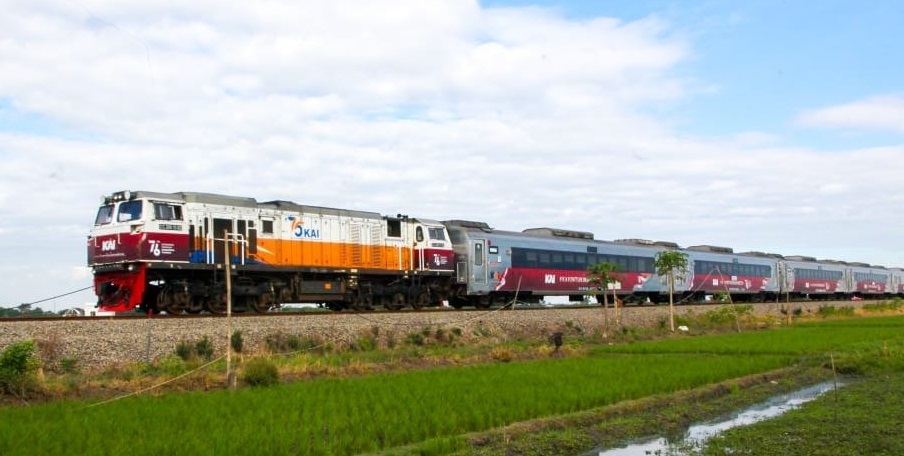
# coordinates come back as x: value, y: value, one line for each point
x: 295, y: 313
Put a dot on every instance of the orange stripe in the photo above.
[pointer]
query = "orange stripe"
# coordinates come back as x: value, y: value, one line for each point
x: 329, y: 254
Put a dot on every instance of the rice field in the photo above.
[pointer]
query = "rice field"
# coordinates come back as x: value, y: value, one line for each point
x: 375, y: 413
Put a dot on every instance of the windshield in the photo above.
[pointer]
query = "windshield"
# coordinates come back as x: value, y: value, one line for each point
x: 104, y: 215
x: 128, y: 211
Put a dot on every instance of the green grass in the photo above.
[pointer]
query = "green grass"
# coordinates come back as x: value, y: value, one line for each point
x: 431, y: 410
x: 860, y: 419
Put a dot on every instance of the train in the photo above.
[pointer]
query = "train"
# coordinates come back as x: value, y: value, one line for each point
x: 192, y: 252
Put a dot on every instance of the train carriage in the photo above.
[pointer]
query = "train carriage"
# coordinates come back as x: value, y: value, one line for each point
x: 807, y: 277
x: 495, y: 266
x: 869, y: 281
x: 719, y: 270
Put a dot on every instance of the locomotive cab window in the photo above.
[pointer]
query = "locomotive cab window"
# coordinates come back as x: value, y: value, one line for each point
x: 437, y: 234
x: 165, y: 211
x: 267, y: 226
x: 104, y: 215
x: 394, y: 228
x: 419, y: 234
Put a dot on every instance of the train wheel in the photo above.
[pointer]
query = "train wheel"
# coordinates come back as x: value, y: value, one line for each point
x: 420, y: 301
x: 396, y: 302
x: 178, y: 302
x: 262, y: 303
x: 195, y: 306
x: 216, y: 304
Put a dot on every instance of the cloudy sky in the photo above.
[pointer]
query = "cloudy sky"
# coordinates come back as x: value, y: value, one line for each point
x: 764, y: 125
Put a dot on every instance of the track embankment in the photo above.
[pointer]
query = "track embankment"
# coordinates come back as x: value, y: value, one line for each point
x: 101, y: 343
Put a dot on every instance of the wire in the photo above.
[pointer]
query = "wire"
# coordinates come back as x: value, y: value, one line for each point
x: 135, y: 393
x: 57, y: 296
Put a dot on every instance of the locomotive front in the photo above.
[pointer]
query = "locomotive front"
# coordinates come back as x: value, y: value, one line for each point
x: 131, y: 230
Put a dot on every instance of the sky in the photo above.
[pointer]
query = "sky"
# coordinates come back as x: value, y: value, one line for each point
x: 765, y: 125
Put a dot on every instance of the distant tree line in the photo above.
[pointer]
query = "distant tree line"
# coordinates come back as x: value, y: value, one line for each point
x: 25, y: 310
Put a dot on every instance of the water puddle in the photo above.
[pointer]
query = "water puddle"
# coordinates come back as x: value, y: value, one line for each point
x: 697, y: 434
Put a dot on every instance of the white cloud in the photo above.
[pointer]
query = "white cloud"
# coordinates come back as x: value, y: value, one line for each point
x: 884, y: 113
x: 516, y: 116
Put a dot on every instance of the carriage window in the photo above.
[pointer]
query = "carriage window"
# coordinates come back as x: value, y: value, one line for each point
x: 128, y: 211
x: 478, y: 254
x: 104, y: 215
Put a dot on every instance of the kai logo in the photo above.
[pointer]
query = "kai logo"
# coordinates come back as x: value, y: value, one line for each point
x: 300, y: 231
x: 550, y: 278
x: 108, y: 246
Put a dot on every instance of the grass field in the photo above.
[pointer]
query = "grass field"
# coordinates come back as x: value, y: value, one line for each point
x: 432, y: 411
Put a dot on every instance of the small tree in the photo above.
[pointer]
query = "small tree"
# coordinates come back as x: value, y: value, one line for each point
x: 600, y: 275
x: 670, y: 263
x: 18, y: 368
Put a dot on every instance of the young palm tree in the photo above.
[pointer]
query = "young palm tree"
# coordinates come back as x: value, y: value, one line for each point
x: 670, y: 263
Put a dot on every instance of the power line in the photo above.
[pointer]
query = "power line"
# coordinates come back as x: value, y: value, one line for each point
x: 57, y: 296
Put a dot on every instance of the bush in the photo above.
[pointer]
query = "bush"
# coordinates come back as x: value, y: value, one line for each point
x: 204, y: 348
x: 414, y: 339
x: 200, y: 349
x: 69, y: 364
x: 237, y: 341
x: 18, y: 368
x: 283, y: 343
x: 184, y: 350
x: 502, y: 354
x: 260, y: 372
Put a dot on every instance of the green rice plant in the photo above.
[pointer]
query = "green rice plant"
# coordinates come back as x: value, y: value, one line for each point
x: 372, y: 414
x: 384, y: 411
x: 832, y: 311
x: 884, y: 306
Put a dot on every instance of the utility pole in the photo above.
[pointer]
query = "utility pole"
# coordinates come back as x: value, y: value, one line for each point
x: 227, y: 266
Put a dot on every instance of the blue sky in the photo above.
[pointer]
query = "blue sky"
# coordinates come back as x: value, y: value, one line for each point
x: 765, y: 61
x: 764, y: 125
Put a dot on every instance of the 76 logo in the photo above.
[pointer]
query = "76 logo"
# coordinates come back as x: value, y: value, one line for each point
x: 154, y: 247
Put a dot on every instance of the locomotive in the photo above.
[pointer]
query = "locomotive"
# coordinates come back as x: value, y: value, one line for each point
x: 172, y: 252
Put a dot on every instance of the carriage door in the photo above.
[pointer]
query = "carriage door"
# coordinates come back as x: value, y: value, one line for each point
x: 245, y: 240
x: 219, y: 243
x: 479, y: 260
